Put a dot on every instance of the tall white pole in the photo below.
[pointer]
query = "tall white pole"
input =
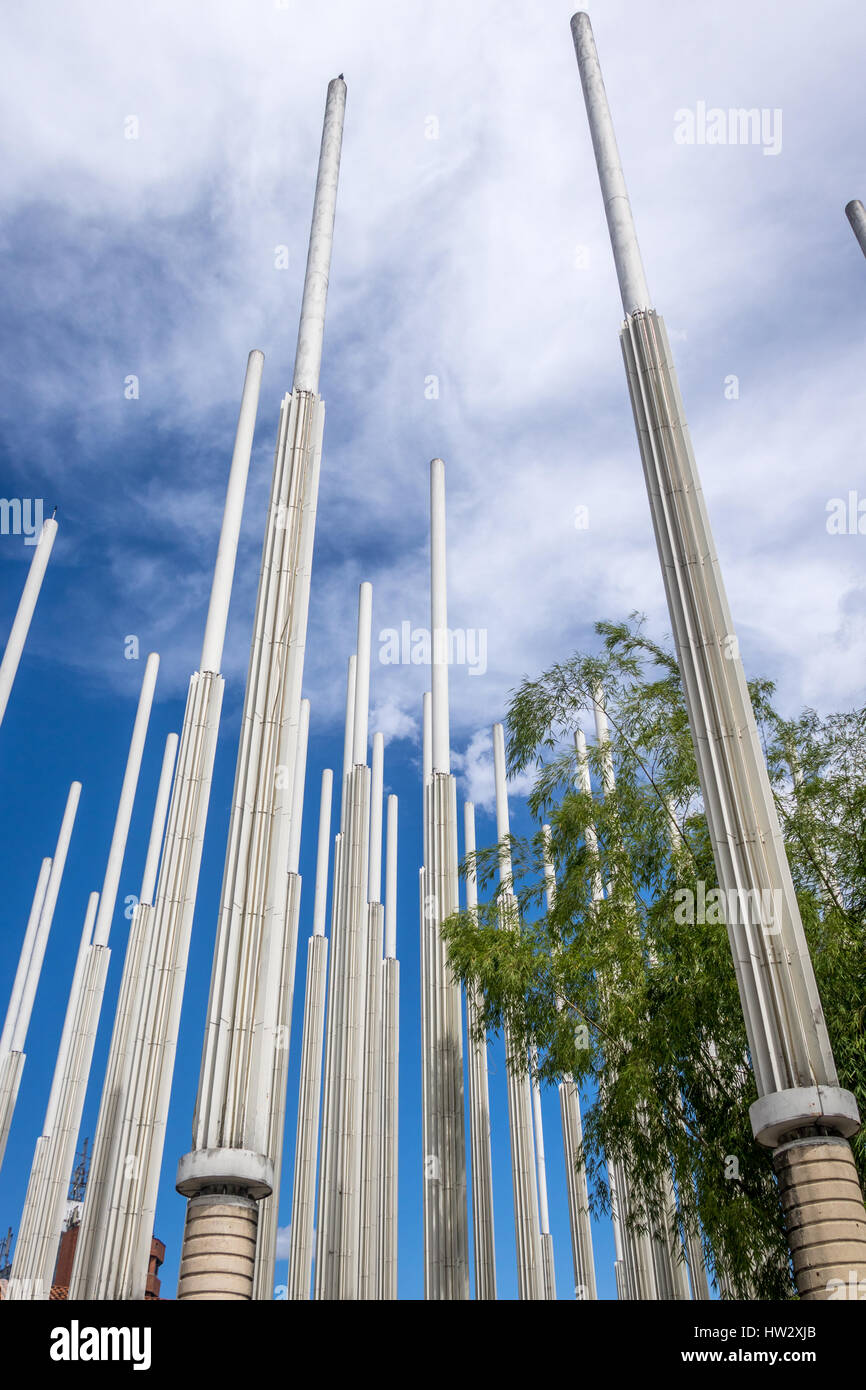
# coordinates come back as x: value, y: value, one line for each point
x: 311, y: 329
x: 362, y: 675
x: 322, y: 851
x: 117, y: 849
x: 46, y: 1197
x: 252, y: 982
x: 856, y: 214
x: 479, y: 1108
x: 390, y: 943
x: 440, y: 749
x: 157, y: 828
x: 572, y: 1139
x: 224, y: 569
x: 26, y: 605
x: 527, y: 1227
x: 342, y: 1233
x: 309, y: 1096
x: 446, y: 1225
x: 24, y: 958
x: 46, y: 917
x: 371, y: 1154
x: 374, y: 886
x: 390, y: 968
x: 801, y: 1113
x: 12, y: 1063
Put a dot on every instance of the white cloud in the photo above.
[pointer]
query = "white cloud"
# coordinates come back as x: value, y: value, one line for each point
x: 474, y: 769
x: 454, y: 256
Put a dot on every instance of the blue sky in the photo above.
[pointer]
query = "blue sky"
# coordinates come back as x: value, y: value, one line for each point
x: 479, y: 257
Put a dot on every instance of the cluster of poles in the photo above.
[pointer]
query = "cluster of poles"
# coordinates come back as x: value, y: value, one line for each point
x: 343, y: 1239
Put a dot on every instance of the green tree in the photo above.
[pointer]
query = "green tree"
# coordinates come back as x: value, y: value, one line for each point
x: 627, y: 995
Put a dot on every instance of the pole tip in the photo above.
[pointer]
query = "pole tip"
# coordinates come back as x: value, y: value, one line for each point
x: 854, y: 208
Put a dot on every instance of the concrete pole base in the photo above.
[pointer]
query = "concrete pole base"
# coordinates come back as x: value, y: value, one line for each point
x: 218, y: 1259
x: 824, y: 1216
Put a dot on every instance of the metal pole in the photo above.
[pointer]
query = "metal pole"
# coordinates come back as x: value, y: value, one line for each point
x: 527, y: 1228
x: 26, y: 605
x: 801, y: 1113
x: 252, y: 981
x: 306, y: 1140
x: 856, y: 214
x: 445, y: 1199
x: 479, y: 1108
x: 390, y: 1069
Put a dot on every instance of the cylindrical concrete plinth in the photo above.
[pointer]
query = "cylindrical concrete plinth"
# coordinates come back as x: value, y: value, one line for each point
x: 219, y: 1248
x: 824, y: 1215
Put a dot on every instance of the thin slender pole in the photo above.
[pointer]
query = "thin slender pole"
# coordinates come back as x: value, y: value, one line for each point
x: 26, y: 605
x: 311, y: 329
x: 160, y: 811
x: 802, y: 1113
x: 362, y: 674
x: 856, y: 214
x: 26, y: 953
x: 479, y: 1108
x: 117, y: 849
x: 322, y: 851
x: 527, y: 1228
x: 440, y: 747
x: 46, y: 916
x: 224, y: 569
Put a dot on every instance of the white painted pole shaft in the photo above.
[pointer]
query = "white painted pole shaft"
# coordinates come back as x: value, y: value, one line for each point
x: 501, y: 784
x: 298, y: 788
x: 479, y: 1108
x: 117, y: 848
x: 440, y: 749
x: 391, y: 880
x: 802, y: 1112
x: 390, y: 1126
x: 585, y: 784
x: 572, y: 1132
x: 527, y: 1228
x: 26, y: 605
x: 362, y: 674
x: 311, y: 330
x: 224, y: 569
x: 306, y: 1145
x: 856, y: 214
x: 626, y: 252
x: 348, y: 731
x: 322, y: 850
x: 52, y: 888
x: 26, y: 952
x: 71, y: 1011
x: 377, y: 777
x: 160, y: 811
x: 426, y: 738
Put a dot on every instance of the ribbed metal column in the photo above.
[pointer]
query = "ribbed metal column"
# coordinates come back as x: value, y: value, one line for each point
x: 369, y: 1276
x: 309, y: 1096
x: 446, y: 1225
x: 527, y: 1228
x: 266, y: 1246
x: 390, y: 1083
x: 35, y: 1258
x: 338, y: 1234
x: 798, y: 1087
x: 21, y: 999
x: 249, y: 1011
x: 479, y: 1110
